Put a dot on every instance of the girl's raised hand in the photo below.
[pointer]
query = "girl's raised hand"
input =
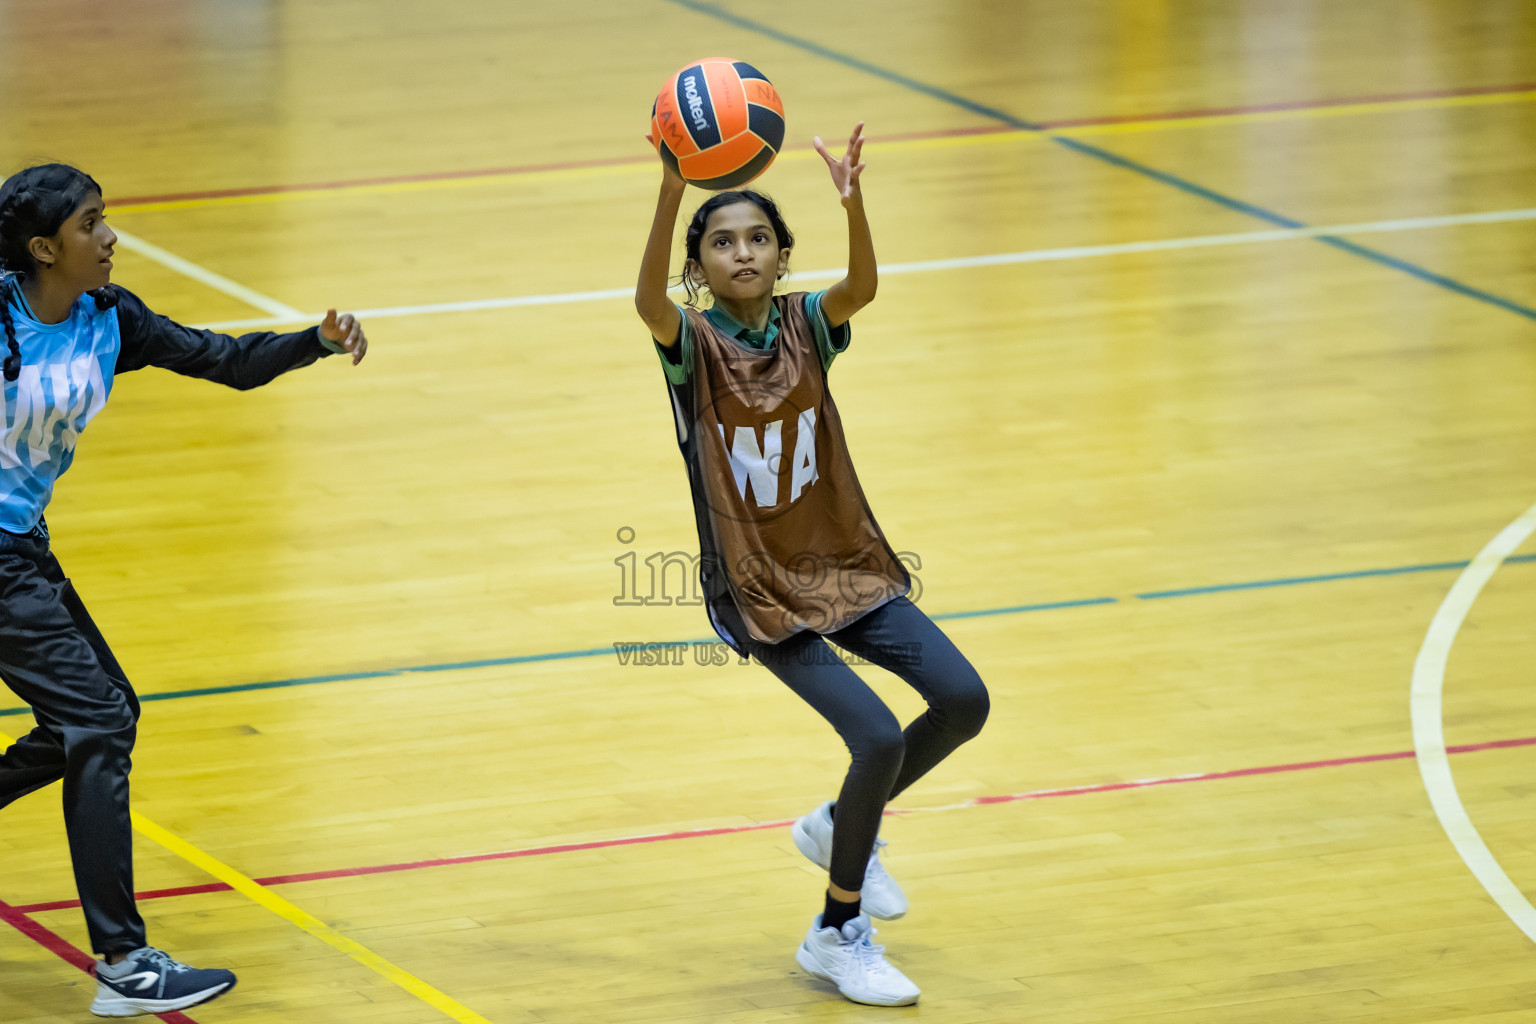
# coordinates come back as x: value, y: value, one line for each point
x: 845, y: 172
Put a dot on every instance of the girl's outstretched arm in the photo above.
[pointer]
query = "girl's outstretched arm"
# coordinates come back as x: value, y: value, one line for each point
x: 249, y: 361
x: 857, y: 290
x: 659, y: 312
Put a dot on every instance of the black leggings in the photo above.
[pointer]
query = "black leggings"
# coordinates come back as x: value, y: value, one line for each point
x: 54, y: 658
x: 886, y: 760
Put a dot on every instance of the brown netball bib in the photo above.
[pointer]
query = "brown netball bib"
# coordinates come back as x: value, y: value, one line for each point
x: 783, y: 524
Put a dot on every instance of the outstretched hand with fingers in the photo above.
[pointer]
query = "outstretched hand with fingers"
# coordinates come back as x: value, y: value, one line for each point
x: 346, y: 331
x: 845, y: 172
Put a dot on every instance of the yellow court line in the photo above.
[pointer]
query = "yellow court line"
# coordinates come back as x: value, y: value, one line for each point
x: 265, y: 897
x: 1208, y: 121
x: 431, y: 185
x: 982, y: 139
x: 1301, y: 114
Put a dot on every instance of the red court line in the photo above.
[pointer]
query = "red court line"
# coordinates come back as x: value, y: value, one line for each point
x: 647, y: 158
x: 1264, y: 108
x: 51, y: 941
x: 148, y: 894
x: 473, y: 858
x: 397, y: 179
x: 660, y: 837
x: 1236, y: 773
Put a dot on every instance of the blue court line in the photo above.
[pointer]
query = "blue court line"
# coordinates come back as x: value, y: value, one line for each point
x: 596, y: 652
x: 1279, y: 220
x: 347, y: 677
x: 944, y: 95
x: 1105, y: 156
x: 1020, y: 608
x: 1291, y: 581
x: 1450, y: 284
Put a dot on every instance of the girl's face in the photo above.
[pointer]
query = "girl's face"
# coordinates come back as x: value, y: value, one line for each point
x: 739, y: 255
x: 81, y: 253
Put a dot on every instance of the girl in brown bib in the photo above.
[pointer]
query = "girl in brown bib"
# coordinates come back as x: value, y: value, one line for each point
x: 790, y: 552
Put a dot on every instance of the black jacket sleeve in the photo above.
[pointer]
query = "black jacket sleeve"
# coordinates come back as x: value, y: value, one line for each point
x: 249, y: 361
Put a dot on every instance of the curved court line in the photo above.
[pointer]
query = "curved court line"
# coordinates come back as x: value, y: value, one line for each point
x: 1426, y: 710
x: 265, y: 898
x: 1325, y: 234
x: 722, y: 830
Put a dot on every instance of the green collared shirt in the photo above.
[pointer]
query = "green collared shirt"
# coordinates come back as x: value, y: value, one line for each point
x: 830, y: 341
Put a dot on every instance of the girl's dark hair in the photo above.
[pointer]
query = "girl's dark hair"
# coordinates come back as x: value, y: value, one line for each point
x: 701, y: 217
x: 35, y: 203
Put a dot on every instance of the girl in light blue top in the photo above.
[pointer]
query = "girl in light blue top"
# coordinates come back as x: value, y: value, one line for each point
x: 68, y: 332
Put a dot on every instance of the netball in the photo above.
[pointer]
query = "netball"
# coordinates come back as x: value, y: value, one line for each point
x: 718, y: 123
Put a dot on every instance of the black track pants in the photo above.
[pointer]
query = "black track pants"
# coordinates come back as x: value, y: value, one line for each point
x: 54, y: 658
x: 886, y: 760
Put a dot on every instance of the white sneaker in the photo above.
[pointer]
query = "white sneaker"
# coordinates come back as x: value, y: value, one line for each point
x: 854, y: 964
x: 880, y: 896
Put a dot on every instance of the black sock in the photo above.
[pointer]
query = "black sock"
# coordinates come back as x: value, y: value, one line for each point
x: 838, y: 913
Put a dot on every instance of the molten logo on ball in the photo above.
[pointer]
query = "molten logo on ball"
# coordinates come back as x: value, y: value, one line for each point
x: 695, y: 101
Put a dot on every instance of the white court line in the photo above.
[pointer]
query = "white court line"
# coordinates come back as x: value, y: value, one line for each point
x: 217, y: 282
x: 1425, y: 706
x: 998, y: 259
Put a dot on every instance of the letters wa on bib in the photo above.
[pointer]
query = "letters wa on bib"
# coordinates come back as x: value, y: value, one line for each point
x: 787, y: 540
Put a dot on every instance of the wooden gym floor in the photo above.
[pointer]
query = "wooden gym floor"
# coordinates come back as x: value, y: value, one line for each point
x: 1203, y: 364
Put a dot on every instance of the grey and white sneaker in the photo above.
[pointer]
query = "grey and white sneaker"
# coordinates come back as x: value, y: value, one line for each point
x: 880, y: 896
x: 149, y: 981
x: 853, y: 963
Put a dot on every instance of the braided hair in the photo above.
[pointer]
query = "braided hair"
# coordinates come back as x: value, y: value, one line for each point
x: 35, y: 203
x: 695, y: 235
x: 13, y: 356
